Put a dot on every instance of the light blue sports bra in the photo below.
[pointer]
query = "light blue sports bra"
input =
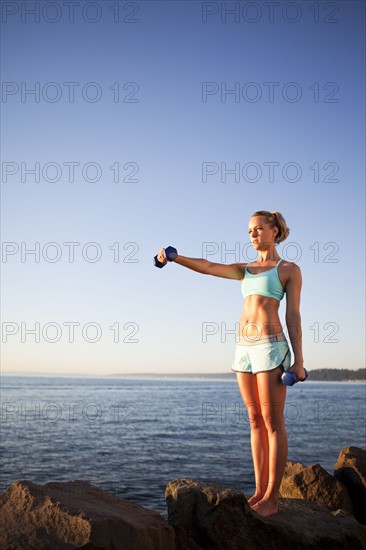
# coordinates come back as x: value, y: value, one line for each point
x: 266, y: 283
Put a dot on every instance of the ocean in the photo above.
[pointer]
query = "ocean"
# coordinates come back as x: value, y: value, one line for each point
x: 131, y: 436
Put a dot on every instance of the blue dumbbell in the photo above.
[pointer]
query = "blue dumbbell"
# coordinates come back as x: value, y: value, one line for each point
x: 170, y: 254
x: 289, y: 378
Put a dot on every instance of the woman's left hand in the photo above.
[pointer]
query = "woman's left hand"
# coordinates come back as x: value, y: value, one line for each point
x: 298, y: 369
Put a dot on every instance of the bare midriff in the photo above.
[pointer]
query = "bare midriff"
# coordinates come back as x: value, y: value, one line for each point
x: 259, y: 316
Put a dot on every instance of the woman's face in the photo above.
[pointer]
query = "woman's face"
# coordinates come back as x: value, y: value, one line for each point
x: 260, y: 234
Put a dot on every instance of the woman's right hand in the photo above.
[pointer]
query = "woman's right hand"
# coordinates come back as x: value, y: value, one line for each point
x: 161, y: 256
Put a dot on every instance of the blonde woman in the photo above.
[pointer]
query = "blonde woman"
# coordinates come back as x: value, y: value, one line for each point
x: 262, y: 352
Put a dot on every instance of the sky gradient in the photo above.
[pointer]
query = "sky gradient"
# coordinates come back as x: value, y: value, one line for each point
x: 170, y: 123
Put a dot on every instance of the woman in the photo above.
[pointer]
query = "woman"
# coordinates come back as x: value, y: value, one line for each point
x: 262, y: 351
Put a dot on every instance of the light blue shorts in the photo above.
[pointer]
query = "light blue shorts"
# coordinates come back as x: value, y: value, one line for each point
x: 265, y: 354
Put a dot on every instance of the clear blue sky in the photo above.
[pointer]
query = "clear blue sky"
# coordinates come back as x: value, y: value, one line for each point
x: 297, y: 80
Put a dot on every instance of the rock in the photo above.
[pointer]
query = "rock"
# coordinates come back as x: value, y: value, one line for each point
x: 76, y: 515
x: 350, y: 470
x: 292, y: 468
x: 315, y: 484
x: 211, y: 517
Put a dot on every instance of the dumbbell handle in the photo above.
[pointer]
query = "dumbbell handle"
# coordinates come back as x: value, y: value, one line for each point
x: 170, y: 255
x: 289, y: 378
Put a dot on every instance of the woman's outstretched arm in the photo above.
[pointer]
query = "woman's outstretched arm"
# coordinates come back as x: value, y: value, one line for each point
x: 230, y: 271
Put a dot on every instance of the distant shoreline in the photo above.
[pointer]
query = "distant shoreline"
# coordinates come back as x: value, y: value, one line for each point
x: 316, y: 375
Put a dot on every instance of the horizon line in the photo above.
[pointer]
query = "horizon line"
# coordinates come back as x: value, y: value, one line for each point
x: 136, y: 374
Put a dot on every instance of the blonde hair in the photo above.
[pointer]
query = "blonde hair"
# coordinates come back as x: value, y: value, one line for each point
x: 275, y: 219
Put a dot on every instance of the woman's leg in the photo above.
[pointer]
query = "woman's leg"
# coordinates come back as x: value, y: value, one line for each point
x: 258, y: 434
x: 272, y: 395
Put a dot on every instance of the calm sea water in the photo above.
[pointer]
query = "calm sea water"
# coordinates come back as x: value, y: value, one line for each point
x: 131, y: 436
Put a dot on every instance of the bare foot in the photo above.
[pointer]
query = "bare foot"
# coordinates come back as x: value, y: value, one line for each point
x: 254, y: 499
x: 265, y: 508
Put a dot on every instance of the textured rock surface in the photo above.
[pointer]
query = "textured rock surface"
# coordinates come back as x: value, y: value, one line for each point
x: 350, y: 470
x: 292, y: 468
x: 65, y: 516
x: 212, y: 517
x: 315, y: 484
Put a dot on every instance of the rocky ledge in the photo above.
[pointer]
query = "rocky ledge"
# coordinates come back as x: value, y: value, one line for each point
x: 317, y: 511
x: 66, y: 516
x: 210, y: 517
